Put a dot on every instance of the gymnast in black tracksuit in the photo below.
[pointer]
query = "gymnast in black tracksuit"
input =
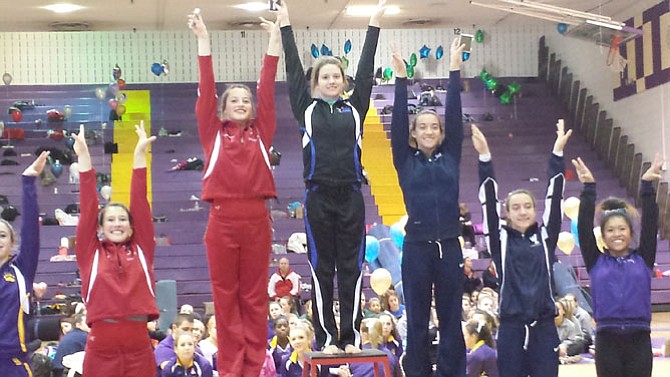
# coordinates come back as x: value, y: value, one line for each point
x: 427, y: 156
x: 527, y: 338
x: 331, y: 128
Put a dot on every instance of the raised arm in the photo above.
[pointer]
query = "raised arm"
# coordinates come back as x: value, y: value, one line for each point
x: 649, y: 223
x: 400, y: 119
x: 453, y: 112
x: 553, y: 213
x: 206, y: 105
x: 295, y: 74
x: 587, y: 210
x: 266, y: 114
x: 365, y: 72
x: 143, y: 226
x: 30, y: 227
x: 488, y: 195
x: 88, y: 202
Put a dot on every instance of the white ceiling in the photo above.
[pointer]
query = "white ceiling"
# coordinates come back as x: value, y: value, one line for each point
x: 107, y: 15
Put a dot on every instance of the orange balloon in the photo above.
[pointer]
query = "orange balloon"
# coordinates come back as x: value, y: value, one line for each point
x: 120, y: 110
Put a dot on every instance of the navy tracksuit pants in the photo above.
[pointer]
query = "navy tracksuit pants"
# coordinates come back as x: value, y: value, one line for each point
x: 335, y: 227
x: 528, y: 349
x: 424, y: 265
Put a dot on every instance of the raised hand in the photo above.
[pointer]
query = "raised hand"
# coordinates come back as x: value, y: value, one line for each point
x: 479, y: 141
x: 456, y: 55
x: 583, y: 172
x: 654, y: 172
x: 274, y: 46
x: 377, y: 15
x: 143, y: 141
x: 80, y: 147
x: 399, y: 66
x: 561, y: 136
x: 196, y: 24
x: 37, y: 166
x: 282, y: 14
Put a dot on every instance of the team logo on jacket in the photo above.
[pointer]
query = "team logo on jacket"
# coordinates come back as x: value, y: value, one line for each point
x: 9, y: 277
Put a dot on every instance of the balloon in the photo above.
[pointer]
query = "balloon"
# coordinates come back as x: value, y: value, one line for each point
x: 347, y: 46
x: 100, y: 93
x: 106, y: 192
x: 7, y: 78
x: 574, y: 230
x: 371, y: 248
x: 114, y: 88
x: 57, y: 168
x: 505, y: 98
x: 479, y: 36
x: 461, y: 241
x: 113, y: 103
x: 388, y: 73
x: 121, y: 98
x: 345, y: 62
x: 571, y: 207
x: 566, y: 242
x: 116, y: 73
x: 599, y: 238
x: 562, y: 28
x: 424, y: 52
x: 410, y: 72
x: 166, y: 67
x: 120, y: 110
x: 121, y: 83
x: 380, y: 281
x: 69, y: 142
x: 67, y: 111
x: 74, y: 172
x: 439, y: 52
x: 485, y: 76
x: 17, y: 115
x: 397, y: 234
x: 157, y: 69
x: 514, y: 88
x: 412, y: 60
x: 325, y: 51
x: 491, y: 83
x: 465, y: 55
x: 315, y: 51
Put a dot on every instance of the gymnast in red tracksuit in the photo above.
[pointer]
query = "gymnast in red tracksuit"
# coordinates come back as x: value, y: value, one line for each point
x: 117, y: 270
x: 237, y: 181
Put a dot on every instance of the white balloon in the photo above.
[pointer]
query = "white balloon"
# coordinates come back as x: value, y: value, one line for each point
x: 106, y: 192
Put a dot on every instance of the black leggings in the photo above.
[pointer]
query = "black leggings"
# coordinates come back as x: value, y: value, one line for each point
x: 623, y: 354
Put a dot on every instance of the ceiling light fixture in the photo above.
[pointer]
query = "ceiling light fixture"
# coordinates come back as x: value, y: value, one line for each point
x: 369, y: 10
x: 605, y: 24
x: 63, y: 8
x: 255, y: 6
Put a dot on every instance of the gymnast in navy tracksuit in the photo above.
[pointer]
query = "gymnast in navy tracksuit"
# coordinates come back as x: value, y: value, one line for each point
x: 16, y: 277
x: 331, y: 128
x: 620, y: 275
x: 527, y: 338
x: 427, y: 158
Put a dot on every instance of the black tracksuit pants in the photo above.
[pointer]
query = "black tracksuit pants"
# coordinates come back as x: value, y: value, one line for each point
x: 335, y: 227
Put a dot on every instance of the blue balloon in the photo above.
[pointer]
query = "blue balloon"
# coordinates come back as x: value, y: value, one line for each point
x: 157, y: 69
x: 439, y: 53
x: 575, y: 231
x: 424, y: 52
x: 397, y: 235
x: 371, y: 248
x: 57, y: 168
x: 347, y: 46
x: 325, y: 51
x: 315, y: 51
x: 562, y: 28
x: 69, y: 141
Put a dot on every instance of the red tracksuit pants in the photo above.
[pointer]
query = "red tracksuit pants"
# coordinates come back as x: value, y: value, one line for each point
x: 238, y: 241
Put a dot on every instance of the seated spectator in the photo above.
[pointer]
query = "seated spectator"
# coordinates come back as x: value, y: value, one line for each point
x: 188, y: 309
x: 72, y: 342
x: 469, y: 251
x: 582, y: 317
x: 374, y: 308
x: 186, y: 362
x: 198, y: 332
x: 208, y: 346
x: 466, y: 307
x: 490, y: 319
x: 372, y: 338
x: 274, y: 311
x: 392, y: 304
x: 65, y: 326
x: 471, y: 282
x: 155, y: 334
x: 293, y: 320
x: 390, y: 337
x: 307, y: 310
x: 284, y: 282
x: 490, y: 277
x: 481, y: 358
x: 570, y: 337
x: 287, y: 304
x: 279, y: 345
x: 164, y: 352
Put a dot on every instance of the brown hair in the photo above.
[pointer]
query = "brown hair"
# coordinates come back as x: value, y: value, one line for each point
x: 412, y: 126
x: 517, y: 192
x: 373, y: 328
x: 481, y: 329
x: 320, y: 63
x: 224, y: 98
